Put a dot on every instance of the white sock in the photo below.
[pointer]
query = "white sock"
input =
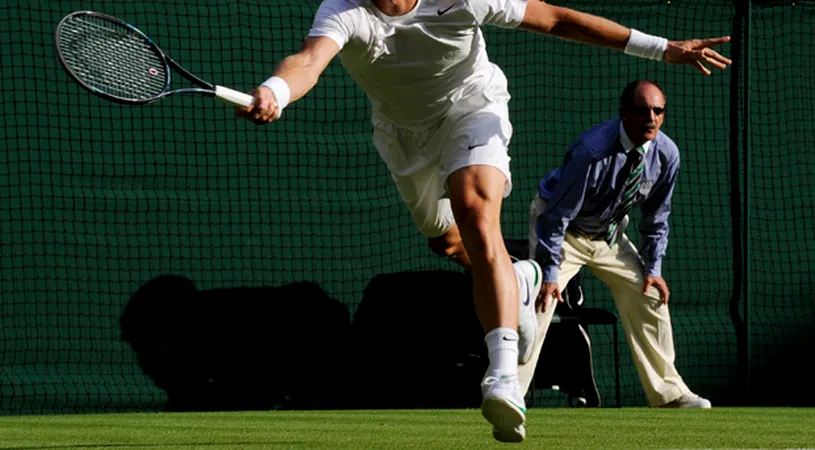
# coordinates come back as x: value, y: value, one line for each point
x: 502, y: 347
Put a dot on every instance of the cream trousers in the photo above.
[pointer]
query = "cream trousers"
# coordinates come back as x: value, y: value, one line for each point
x: 646, y: 321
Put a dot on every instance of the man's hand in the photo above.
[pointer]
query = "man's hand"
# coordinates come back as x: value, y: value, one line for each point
x: 660, y: 285
x: 696, y: 53
x: 264, y: 110
x: 548, y: 291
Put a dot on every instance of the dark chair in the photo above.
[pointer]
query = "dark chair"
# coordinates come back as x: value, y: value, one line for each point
x: 582, y: 317
x: 567, y: 342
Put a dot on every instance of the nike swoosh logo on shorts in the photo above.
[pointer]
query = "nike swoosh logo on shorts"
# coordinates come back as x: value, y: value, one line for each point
x: 442, y: 11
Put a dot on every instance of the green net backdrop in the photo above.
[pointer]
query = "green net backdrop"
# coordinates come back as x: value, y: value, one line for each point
x: 98, y: 198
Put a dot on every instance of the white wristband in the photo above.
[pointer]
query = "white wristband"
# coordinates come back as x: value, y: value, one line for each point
x: 646, y: 46
x: 280, y: 89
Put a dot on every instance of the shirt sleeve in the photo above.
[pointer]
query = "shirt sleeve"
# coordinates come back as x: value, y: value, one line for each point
x: 566, y: 201
x: 332, y: 20
x: 500, y: 13
x: 654, y: 223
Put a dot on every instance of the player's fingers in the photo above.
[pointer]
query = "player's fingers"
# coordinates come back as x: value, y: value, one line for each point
x: 709, y: 57
x: 258, y: 115
x: 275, y: 114
x: 718, y: 57
x: 257, y: 111
x: 262, y: 110
x: 257, y: 101
x: 242, y: 111
x: 255, y: 116
x: 715, y: 41
x: 269, y: 113
x: 701, y: 67
x: 716, y: 64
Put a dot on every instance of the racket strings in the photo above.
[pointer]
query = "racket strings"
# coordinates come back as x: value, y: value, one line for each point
x: 113, y: 59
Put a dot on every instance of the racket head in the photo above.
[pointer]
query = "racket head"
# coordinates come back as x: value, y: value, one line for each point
x: 111, y: 58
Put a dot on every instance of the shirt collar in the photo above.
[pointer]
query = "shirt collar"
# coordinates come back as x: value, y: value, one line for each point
x: 627, y: 144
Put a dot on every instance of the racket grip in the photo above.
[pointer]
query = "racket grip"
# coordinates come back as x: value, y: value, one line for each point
x: 233, y: 96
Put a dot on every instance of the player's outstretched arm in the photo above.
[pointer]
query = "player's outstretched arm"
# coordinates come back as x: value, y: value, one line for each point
x: 293, y: 77
x: 577, y: 26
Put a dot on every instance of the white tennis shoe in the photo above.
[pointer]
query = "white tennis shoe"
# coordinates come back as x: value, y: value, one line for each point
x: 503, y: 406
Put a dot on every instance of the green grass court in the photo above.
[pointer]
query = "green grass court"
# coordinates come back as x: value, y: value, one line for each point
x: 416, y: 429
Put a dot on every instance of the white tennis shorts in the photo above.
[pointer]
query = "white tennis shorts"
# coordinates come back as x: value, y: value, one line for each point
x: 476, y: 131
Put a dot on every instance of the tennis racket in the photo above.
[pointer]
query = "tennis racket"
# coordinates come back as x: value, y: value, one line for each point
x: 116, y: 61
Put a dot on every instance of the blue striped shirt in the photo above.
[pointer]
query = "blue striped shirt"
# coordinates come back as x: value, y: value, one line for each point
x: 582, y: 194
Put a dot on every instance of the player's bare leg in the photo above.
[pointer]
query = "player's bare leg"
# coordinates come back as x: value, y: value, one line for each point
x: 476, y: 195
x: 528, y: 273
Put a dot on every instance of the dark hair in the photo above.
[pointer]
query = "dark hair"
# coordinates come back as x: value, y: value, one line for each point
x: 627, y: 97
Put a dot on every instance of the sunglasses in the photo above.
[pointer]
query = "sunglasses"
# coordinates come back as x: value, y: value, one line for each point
x: 646, y: 111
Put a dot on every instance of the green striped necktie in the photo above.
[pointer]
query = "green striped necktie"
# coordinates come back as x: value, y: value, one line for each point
x: 629, y: 193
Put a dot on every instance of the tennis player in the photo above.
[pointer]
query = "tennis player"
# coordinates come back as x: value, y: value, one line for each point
x: 441, y: 125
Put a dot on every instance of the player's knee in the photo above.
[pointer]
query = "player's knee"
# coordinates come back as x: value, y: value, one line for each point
x: 477, y: 224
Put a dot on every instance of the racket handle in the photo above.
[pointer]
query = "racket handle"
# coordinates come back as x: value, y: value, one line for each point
x: 233, y: 96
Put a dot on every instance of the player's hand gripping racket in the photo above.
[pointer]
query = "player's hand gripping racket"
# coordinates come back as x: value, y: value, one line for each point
x: 116, y: 61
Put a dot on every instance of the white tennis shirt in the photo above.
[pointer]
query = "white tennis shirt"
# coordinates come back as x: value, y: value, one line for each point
x: 413, y: 67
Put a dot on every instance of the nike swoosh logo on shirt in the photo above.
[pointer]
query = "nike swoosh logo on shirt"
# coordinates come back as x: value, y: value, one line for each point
x: 470, y: 147
x: 442, y: 11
